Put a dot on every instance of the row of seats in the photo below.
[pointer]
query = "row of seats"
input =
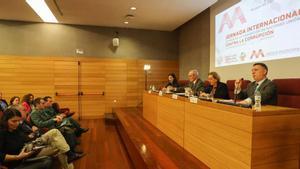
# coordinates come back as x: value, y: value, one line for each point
x: 287, y: 90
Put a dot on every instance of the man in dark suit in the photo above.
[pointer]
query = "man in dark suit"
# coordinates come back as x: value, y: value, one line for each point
x: 265, y: 86
x: 195, y: 83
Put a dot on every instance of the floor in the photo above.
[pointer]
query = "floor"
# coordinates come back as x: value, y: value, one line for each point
x: 103, y: 147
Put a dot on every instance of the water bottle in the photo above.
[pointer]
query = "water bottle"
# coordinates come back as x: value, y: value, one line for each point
x: 257, y: 100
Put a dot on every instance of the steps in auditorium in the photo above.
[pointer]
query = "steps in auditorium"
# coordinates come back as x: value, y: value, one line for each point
x: 148, y: 148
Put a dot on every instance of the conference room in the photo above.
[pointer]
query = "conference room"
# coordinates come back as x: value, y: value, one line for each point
x: 135, y: 84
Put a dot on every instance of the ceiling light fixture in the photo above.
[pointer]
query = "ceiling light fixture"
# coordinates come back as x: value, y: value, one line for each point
x: 133, y: 8
x: 41, y: 8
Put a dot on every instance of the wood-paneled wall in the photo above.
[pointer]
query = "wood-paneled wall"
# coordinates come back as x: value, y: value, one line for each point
x: 121, y: 80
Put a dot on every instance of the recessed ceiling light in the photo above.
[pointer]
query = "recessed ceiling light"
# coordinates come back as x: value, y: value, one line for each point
x: 126, y: 22
x: 129, y: 17
x: 41, y: 8
x: 133, y: 8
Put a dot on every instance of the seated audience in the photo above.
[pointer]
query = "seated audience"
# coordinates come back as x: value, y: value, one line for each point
x: 14, y: 101
x: 40, y: 118
x: 27, y: 102
x: 216, y: 88
x: 12, y: 142
x: 55, y: 138
x: 44, y: 121
x: 59, y: 110
x: 172, y: 82
x: 3, y: 103
x: 48, y: 109
x: 261, y: 83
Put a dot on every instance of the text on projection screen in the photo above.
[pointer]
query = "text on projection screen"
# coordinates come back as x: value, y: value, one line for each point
x: 256, y: 31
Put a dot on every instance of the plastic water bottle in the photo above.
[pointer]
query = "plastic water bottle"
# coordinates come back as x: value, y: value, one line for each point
x: 257, y: 99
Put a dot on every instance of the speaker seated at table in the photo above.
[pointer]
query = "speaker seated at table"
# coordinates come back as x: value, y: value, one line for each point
x: 230, y: 86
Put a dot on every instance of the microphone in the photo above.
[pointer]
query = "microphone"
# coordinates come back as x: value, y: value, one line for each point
x: 235, y: 90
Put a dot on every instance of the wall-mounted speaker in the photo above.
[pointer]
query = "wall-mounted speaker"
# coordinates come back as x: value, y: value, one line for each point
x: 116, y: 42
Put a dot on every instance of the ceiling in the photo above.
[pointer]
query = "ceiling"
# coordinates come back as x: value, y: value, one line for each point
x: 164, y: 15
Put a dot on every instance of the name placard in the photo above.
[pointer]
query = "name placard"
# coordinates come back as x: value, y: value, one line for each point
x: 193, y: 99
x: 174, y: 96
x: 160, y: 93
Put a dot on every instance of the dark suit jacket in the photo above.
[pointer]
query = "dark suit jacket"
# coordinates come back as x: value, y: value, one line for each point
x: 174, y: 84
x: 197, y: 87
x: 267, y: 89
x: 4, y: 104
x: 221, y: 91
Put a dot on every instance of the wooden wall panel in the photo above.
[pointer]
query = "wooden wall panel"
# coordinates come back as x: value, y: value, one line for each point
x: 27, y: 75
x: 122, y: 80
x: 66, y: 84
x: 115, y: 84
x: 158, y: 75
x: 132, y: 94
x: 92, y: 84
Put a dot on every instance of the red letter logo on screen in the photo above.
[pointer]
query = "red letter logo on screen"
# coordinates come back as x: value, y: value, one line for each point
x: 257, y: 54
x: 237, y: 15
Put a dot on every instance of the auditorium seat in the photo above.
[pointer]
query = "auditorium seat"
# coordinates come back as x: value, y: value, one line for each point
x: 183, y: 82
x: 230, y: 85
x: 288, y: 92
x: 206, y: 83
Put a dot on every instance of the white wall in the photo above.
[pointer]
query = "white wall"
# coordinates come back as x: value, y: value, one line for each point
x: 285, y: 68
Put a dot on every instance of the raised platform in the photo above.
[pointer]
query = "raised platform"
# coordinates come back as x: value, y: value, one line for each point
x: 228, y: 137
x: 148, y: 147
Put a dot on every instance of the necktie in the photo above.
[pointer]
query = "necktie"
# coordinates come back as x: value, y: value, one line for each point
x: 256, y: 87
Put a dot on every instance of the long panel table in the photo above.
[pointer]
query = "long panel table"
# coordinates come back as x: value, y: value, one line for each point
x: 228, y: 137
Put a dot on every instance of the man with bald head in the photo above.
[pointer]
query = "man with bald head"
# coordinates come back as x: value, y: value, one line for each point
x: 261, y: 83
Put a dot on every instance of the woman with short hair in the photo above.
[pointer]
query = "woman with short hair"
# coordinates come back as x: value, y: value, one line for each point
x: 216, y: 88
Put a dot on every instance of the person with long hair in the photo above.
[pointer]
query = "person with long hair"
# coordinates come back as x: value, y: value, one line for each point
x: 172, y: 82
x: 13, y: 138
x: 12, y: 141
x: 27, y: 102
x: 15, y: 100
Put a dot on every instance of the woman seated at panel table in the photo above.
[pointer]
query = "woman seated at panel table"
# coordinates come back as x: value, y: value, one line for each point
x: 216, y: 88
x: 172, y: 82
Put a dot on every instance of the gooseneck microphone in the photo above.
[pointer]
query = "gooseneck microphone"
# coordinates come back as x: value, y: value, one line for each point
x: 235, y: 90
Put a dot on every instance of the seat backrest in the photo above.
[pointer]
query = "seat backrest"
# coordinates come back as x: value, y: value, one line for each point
x: 288, y: 92
x: 230, y: 86
x: 183, y: 82
x: 206, y: 83
x: 1, y: 114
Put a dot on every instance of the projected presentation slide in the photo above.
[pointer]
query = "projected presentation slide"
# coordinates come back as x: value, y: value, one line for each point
x: 257, y: 30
